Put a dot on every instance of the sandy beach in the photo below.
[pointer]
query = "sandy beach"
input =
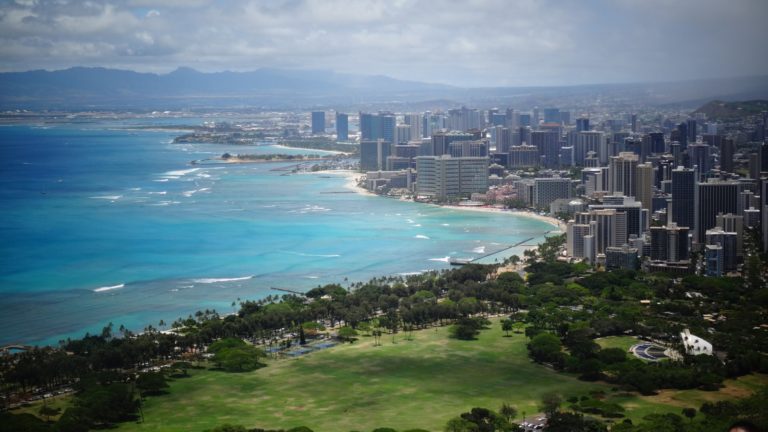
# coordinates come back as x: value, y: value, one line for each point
x: 353, y: 177
x: 560, y: 225
x: 307, y: 149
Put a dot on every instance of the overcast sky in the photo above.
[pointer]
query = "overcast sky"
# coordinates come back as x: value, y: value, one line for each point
x: 460, y: 42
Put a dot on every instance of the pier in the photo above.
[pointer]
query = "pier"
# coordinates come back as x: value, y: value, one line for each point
x: 289, y: 291
x: 460, y: 261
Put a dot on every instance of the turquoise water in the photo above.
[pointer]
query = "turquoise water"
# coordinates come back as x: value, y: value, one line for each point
x: 101, y: 224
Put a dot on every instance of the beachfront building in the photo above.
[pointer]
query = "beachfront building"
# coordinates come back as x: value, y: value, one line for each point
x: 446, y: 177
x: 547, y: 190
x: 373, y: 154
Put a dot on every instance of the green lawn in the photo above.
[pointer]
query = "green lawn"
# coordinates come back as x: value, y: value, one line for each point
x: 420, y: 383
x: 623, y: 342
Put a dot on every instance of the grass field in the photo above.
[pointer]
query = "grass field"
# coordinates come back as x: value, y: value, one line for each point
x: 623, y: 342
x: 411, y: 384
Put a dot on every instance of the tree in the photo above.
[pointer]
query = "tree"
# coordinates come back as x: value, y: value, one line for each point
x: 550, y: 403
x: 239, y: 359
x: 508, y: 411
x: 347, y: 334
x: 458, y: 424
x: 507, y: 325
x: 689, y: 412
x: 545, y: 347
x: 151, y: 383
x: 466, y: 329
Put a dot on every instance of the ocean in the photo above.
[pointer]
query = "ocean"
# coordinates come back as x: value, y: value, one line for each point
x: 102, y: 223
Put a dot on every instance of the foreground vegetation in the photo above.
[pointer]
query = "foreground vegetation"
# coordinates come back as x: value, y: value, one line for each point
x: 421, y: 350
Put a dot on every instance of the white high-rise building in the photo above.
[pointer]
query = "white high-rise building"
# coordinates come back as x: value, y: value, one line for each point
x: 415, y: 122
x: 444, y: 177
x: 623, y: 174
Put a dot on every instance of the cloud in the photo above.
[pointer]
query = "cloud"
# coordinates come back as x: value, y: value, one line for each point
x: 474, y: 42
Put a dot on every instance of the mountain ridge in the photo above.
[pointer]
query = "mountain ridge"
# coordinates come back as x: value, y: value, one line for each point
x: 100, y: 87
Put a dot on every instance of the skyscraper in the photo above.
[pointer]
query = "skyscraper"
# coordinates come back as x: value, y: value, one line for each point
x: 442, y: 177
x: 623, y: 174
x: 683, y: 188
x: 586, y: 142
x: 342, y: 127
x: 378, y: 126
x: 644, y: 184
x: 711, y: 199
x: 373, y: 154
x: 700, y: 159
x: 318, y: 122
x: 546, y: 190
x: 582, y: 124
x: 548, y: 143
x: 414, y: 121
x: 656, y: 141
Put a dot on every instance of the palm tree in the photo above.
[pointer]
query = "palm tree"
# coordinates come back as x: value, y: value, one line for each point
x: 508, y: 411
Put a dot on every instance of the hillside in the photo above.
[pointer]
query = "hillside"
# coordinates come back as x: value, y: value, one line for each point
x: 722, y: 111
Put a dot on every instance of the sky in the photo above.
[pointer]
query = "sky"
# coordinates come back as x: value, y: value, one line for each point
x: 459, y: 42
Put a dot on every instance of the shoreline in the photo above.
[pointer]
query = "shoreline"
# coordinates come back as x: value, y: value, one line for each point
x: 353, y: 177
x: 334, y: 152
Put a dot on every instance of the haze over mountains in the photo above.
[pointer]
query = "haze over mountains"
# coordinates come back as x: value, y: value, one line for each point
x: 101, y: 88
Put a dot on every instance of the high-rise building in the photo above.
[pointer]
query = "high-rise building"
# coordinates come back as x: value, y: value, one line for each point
x: 623, y: 172
x: 692, y: 130
x: 441, y: 141
x: 445, y: 177
x: 373, y: 154
x: 414, y: 121
x: 582, y: 124
x: 727, y: 151
x: 546, y: 190
x: 657, y: 143
x: 730, y: 222
x: 586, y: 142
x: 318, y: 122
x: 342, y: 127
x: 637, y: 218
x: 403, y: 134
x: 464, y: 119
x: 644, y: 184
x: 607, y: 227
x: 714, y: 260
x: 681, y: 135
x: 524, y: 156
x: 669, y: 243
x: 763, y: 152
x: 683, y: 188
x: 700, y: 159
x: 552, y: 115
x: 727, y: 241
x: 468, y: 148
x: 764, y: 212
x: 548, y: 143
x: 711, y: 199
x: 378, y: 126
x: 621, y: 257
x: 575, y: 234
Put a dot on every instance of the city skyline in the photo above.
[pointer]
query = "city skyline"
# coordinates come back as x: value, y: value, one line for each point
x: 486, y: 43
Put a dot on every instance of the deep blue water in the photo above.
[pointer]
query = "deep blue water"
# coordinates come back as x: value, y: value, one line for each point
x: 102, y: 224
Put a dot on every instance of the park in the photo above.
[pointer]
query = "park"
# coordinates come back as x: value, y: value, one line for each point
x: 418, y: 383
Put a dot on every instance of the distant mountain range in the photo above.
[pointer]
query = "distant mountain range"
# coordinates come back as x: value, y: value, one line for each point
x: 101, y: 88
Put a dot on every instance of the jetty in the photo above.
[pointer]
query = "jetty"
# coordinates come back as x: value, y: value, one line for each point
x: 464, y: 261
x: 290, y: 291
